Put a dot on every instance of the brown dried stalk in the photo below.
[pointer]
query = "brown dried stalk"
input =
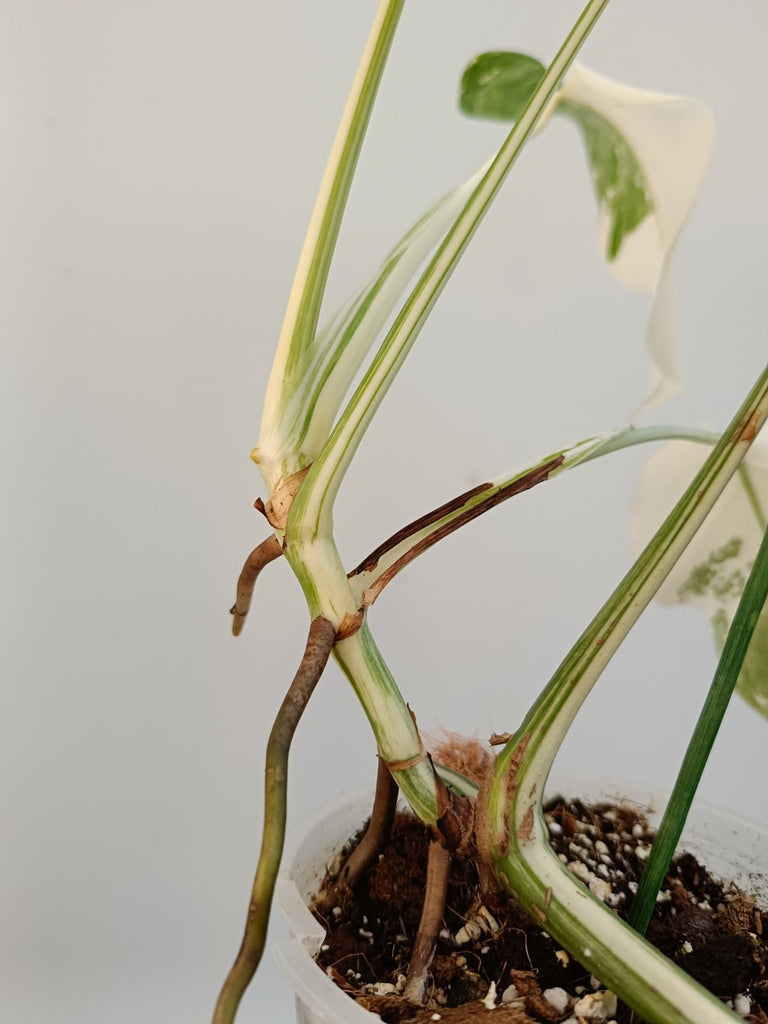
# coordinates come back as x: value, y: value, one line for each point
x: 460, y: 517
x: 266, y: 552
x: 378, y: 831
x: 319, y: 644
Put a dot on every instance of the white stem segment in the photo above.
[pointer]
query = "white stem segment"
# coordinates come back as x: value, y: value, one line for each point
x: 514, y: 826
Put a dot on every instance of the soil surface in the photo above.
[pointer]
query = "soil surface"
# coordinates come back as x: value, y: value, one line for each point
x: 496, y: 957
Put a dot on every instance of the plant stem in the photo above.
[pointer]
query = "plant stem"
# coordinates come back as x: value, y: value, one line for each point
x: 383, y: 564
x: 300, y: 323
x: 392, y: 722
x: 309, y: 545
x: 630, y: 436
x: 316, y: 653
x: 725, y: 679
x: 313, y: 509
x: 416, y: 538
x: 262, y: 555
x: 511, y: 822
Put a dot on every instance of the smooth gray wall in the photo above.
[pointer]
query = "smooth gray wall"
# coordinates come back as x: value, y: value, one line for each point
x: 160, y: 163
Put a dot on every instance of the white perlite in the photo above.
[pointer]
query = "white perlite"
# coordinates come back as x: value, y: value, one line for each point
x: 581, y: 871
x: 383, y: 988
x: 592, y: 1007
x: 610, y: 1002
x: 558, y: 998
x: 490, y: 997
x: 600, y: 888
x: 510, y: 994
x: 742, y: 1004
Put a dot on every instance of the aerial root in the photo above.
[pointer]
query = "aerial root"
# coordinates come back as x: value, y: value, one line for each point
x: 320, y: 642
x: 266, y: 552
x: 378, y: 831
x: 438, y: 871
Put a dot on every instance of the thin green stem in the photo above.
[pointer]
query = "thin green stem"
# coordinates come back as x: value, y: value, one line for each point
x: 704, y: 734
x: 644, y: 435
x: 313, y: 509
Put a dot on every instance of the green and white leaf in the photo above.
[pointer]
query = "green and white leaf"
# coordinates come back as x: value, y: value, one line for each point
x: 622, y: 189
x: 647, y: 153
x: 712, y: 572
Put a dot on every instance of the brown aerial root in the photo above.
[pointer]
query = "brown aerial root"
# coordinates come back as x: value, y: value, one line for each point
x: 438, y: 872
x: 454, y: 834
x: 379, y: 828
x: 266, y: 552
x: 319, y: 644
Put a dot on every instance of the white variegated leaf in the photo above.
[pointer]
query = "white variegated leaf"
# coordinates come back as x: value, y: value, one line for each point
x: 647, y: 154
x: 671, y: 139
x: 712, y: 572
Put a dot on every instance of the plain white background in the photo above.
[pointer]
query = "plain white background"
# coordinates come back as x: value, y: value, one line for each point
x: 160, y: 161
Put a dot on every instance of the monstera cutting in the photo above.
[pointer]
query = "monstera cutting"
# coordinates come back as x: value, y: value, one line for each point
x: 700, y: 518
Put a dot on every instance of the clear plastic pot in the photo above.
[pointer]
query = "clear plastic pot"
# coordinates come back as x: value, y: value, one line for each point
x: 731, y: 847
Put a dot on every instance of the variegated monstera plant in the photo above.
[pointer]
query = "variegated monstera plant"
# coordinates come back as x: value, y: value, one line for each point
x: 647, y: 154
